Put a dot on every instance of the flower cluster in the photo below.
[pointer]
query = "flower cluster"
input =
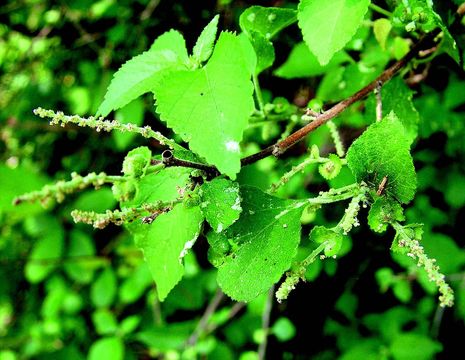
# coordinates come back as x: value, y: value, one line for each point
x: 60, y: 189
x: 99, y: 124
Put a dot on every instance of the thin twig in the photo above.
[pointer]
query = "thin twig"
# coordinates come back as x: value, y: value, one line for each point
x: 437, y: 321
x: 280, y: 147
x: 235, y: 309
x: 379, y: 102
x: 203, y: 323
x: 149, y: 9
x: 168, y: 159
x: 266, y: 324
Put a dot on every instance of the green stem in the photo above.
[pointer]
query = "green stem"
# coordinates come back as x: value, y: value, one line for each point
x: 295, y: 169
x: 258, y: 94
x: 313, y: 255
x: 380, y: 10
x: 334, y: 195
x: 294, y: 276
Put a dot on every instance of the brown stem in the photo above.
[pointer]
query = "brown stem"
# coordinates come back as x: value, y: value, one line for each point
x: 281, y: 146
x: 168, y: 159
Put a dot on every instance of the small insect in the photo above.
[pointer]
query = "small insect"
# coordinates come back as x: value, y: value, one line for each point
x: 382, y: 186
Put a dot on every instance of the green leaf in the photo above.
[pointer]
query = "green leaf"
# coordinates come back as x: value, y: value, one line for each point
x: 204, y: 46
x: 385, y: 277
x: 168, y: 337
x: 383, y: 212
x: 268, y: 21
x: 333, y: 239
x: 94, y: 200
x: 413, y: 346
x: 381, y: 29
x: 383, y: 150
x: 329, y: 170
x: 140, y: 74
x: 104, y: 321
x: 421, y: 15
x: 160, y: 186
x: 109, y: 348
x: 210, y: 107
x: 221, y: 203
x: 80, y: 247
x: 135, y: 285
x: 261, y: 24
x: 283, y: 329
x: 402, y: 290
x: 103, y: 289
x: 131, y: 113
x: 46, y: 252
x: 453, y: 191
x: 166, y: 241
x: 15, y: 182
x: 449, y: 256
x: 328, y: 25
x: 397, y: 97
x: 264, y: 51
x: 301, y: 63
x: 407, y: 232
x: 265, y: 240
x: 137, y: 161
x: 129, y: 324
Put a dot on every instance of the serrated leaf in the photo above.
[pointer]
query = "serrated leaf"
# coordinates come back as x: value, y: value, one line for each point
x: 137, y: 161
x: 204, y: 46
x: 329, y: 170
x: 210, y: 107
x: 301, y: 63
x: 161, y: 186
x: 266, y: 20
x: 141, y: 74
x: 221, y: 203
x: 383, y: 212
x: 333, y: 239
x: 328, y: 25
x: 397, y: 97
x: 261, y: 24
x: 265, y: 240
x: 166, y: 241
x: 383, y: 150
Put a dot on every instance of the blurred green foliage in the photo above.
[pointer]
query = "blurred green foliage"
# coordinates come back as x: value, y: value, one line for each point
x: 70, y: 292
